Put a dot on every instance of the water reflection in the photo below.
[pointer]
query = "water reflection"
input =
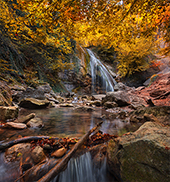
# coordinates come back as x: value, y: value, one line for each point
x: 69, y: 122
x: 59, y: 122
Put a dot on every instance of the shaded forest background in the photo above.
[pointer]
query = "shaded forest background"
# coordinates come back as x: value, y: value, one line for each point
x: 40, y: 38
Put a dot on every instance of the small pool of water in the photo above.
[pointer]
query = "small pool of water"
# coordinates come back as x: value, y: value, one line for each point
x: 58, y: 122
x: 69, y: 122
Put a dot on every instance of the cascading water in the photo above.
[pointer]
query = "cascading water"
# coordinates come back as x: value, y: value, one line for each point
x: 81, y: 169
x: 100, y: 75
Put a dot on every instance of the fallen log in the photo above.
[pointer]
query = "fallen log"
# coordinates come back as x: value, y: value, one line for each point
x: 63, y: 163
x: 37, y: 171
x: 6, y: 145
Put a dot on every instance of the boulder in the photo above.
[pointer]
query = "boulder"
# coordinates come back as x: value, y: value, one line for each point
x: 50, y: 98
x: 98, y: 154
x: 120, y: 86
x: 25, y: 119
x: 19, y: 126
x: 96, y: 103
x: 66, y: 105
x: 157, y: 113
x: 141, y: 156
x: 5, y: 95
x: 108, y: 105
x: 37, y: 154
x: 29, y: 92
x: 32, y: 103
x: 10, y: 112
x: 98, y: 97
x: 123, y: 98
x: 35, y: 123
x: 16, y: 151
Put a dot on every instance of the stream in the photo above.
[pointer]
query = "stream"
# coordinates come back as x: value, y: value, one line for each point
x: 63, y: 122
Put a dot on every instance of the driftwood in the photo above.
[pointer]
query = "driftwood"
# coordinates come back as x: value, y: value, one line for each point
x: 63, y: 163
x: 6, y: 145
x: 38, y: 171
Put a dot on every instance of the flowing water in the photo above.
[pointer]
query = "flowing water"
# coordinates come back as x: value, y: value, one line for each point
x: 82, y: 170
x: 101, y: 77
x: 62, y: 122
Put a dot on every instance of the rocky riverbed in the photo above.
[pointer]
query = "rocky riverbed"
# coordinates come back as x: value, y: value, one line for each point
x: 139, y: 153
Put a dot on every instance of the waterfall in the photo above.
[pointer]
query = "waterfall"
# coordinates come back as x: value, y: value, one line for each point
x: 81, y: 169
x: 101, y: 78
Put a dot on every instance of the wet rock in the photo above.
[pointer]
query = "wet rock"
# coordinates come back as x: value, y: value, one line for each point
x: 25, y: 119
x: 157, y: 113
x: 98, y: 154
x: 10, y: 112
x: 50, y: 98
x: 59, y: 153
x: 37, y: 154
x: 31, y: 103
x: 96, y: 103
x: 108, y: 105
x: 123, y: 98
x: 5, y: 95
x: 13, y: 125
x: 84, y: 108
x: 16, y: 151
x: 66, y: 105
x: 60, y: 99
x: 35, y: 123
x: 142, y: 155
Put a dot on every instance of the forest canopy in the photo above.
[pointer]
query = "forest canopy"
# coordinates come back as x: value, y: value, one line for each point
x: 111, y: 23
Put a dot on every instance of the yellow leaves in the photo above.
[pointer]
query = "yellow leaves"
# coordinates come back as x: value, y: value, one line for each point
x: 134, y: 56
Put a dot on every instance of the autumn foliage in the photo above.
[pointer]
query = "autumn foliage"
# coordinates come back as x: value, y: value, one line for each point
x: 118, y: 24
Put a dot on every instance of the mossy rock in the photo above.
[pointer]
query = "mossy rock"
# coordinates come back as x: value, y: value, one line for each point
x: 141, y: 156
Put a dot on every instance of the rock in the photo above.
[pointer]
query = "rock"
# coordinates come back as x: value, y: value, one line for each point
x: 19, y: 126
x: 59, y: 153
x: 98, y: 97
x: 120, y: 86
x: 160, y: 113
x: 36, y: 93
x: 98, y: 154
x: 17, y: 88
x: 25, y: 119
x: 123, y: 98
x: 66, y: 105
x: 44, y: 88
x: 96, y: 103
x: 50, y: 98
x: 108, y: 105
x: 5, y: 95
x: 31, y: 103
x: 141, y: 156
x: 10, y: 112
x: 60, y: 99
x: 35, y: 123
x: 140, y: 88
x: 84, y: 108
x: 156, y: 93
x: 37, y: 154
x: 16, y: 151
